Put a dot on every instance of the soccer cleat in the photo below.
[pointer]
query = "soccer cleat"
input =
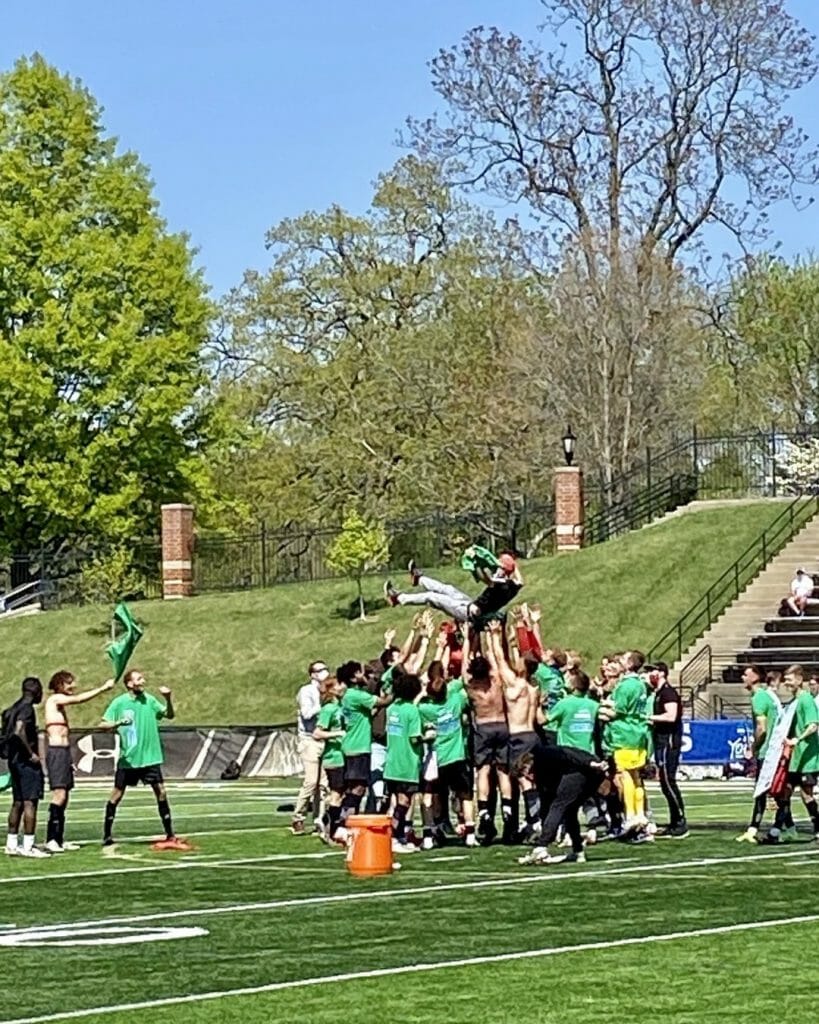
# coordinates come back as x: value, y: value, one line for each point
x: 540, y: 855
x: 71, y: 847
x: 297, y: 829
x: 486, y: 832
x: 771, y: 839
x: 414, y: 572
x: 391, y: 593
x: 748, y: 836
x: 35, y: 852
x: 54, y: 847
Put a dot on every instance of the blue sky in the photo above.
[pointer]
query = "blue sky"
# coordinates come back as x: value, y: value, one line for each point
x: 255, y: 110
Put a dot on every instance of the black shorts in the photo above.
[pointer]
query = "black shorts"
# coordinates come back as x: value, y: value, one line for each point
x: 397, y: 787
x: 521, y: 743
x: 457, y: 778
x: 150, y: 775
x: 356, y: 769
x: 59, y: 767
x: 491, y: 744
x: 335, y: 778
x: 27, y: 781
x: 801, y: 779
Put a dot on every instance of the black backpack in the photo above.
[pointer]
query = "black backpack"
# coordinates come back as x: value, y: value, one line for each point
x: 6, y: 731
x: 232, y: 770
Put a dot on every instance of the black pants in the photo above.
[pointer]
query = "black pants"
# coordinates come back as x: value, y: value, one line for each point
x: 667, y: 756
x: 564, y: 802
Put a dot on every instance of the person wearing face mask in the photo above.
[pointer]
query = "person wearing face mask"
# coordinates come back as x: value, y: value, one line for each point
x: 314, y: 786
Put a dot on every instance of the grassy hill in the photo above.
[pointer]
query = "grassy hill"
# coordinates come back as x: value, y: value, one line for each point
x: 238, y: 658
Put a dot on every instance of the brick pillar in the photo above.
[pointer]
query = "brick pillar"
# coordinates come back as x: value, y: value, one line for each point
x: 177, y: 551
x: 569, y: 513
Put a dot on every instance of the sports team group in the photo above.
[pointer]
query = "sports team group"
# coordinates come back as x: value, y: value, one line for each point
x: 480, y: 724
x: 470, y: 725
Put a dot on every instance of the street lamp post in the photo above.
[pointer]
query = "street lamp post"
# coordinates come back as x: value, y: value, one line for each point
x: 569, y: 440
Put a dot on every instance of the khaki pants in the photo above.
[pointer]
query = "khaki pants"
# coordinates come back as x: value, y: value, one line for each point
x: 313, y: 790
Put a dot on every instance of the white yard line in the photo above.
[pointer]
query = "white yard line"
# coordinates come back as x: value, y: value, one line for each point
x: 422, y: 968
x: 387, y: 894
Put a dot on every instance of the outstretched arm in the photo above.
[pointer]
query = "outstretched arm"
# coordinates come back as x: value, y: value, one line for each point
x: 415, y: 661
x: 495, y: 656
x: 81, y: 698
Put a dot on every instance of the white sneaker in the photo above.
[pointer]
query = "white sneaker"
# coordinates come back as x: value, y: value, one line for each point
x: 12, y: 851
x: 540, y: 855
x: 471, y: 839
x: 566, y: 842
x: 54, y: 847
x: 71, y: 847
x: 398, y: 847
x: 427, y: 843
x: 35, y: 851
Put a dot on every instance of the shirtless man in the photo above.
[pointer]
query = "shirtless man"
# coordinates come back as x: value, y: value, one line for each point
x: 522, y: 700
x: 491, y: 740
x: 58, y: 756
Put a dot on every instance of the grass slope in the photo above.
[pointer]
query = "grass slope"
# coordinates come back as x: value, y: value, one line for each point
x: 238, y: 658
x: 274, y: 910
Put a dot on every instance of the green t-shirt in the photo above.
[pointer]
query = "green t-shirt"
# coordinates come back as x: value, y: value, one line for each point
x: 386, y: 680
x: 139, y: 742
x: 330, y: 718
x: 574, y: 718
x: 764, y: 706
x: 447, y: 718
x: 629, y: 730
x: 805, y: 756
x: 357, y: 706
x: 551, y: 684
x: 404, y: 733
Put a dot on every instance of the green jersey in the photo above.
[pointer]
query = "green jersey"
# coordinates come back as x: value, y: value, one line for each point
x: 574, y: 718
x: 551, y: 684
x: 139, y: 742
x: 331, y: 719
x: 805, y: 756
x: 404, y: 733
x: 386, y: 680
x: 357, y: 706
x: 763, y: 705
x: 446, y: 717
x: 629, y: 729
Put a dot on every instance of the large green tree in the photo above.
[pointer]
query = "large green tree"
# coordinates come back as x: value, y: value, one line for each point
x: 102, y: 322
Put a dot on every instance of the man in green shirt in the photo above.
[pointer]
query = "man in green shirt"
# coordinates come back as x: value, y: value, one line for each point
x: 628, y: 733
x: 357, y: 707
x: 135, y: 715
x: 574, y: 717
x: 402, y: 771
x: 803, y: 745
x: 765, y: 708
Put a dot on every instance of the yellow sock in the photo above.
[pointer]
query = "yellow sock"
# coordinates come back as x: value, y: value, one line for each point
x: 640, y: 800
x: 629, y: 796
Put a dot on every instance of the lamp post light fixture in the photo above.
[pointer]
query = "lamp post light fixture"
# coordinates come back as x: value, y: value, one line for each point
x: 569, y: 441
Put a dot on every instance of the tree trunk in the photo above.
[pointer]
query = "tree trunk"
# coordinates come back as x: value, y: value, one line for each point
x: 362, y: 613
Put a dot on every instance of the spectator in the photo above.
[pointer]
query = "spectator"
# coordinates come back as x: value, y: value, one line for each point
x: 310, y: 749
x: 801, y: 590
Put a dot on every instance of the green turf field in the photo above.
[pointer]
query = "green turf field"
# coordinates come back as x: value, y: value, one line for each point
x: 239, y: 658
x: 257, y: 925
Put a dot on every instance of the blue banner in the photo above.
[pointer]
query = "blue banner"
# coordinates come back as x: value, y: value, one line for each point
x: 716, y: 742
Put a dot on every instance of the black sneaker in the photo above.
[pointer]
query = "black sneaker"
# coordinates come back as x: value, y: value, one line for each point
x: 679, y: 831
x: 391, y: 593
x: 486, y: 831
x: 414, y: 572
x: 771, y: 839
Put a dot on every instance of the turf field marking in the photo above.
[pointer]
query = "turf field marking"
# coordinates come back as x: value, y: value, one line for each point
x: 422, y: 968
x: 62, y: 935
x: 384, y: 894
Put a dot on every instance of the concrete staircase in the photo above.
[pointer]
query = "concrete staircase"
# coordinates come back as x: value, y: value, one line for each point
x: 745, y: 618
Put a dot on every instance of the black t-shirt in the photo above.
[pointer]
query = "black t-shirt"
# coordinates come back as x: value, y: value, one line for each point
x: 664, y: 696
x: 22, y: 711
x: 497, y: 596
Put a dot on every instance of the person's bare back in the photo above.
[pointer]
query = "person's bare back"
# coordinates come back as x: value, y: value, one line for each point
x: 486, y: 697
x: 521, y: 706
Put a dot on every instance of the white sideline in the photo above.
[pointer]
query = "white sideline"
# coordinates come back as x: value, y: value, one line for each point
x: 418, y: 890
x: 384, y: 972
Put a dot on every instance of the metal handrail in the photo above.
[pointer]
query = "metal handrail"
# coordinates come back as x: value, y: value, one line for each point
x: 736, y: 577
x: 703, y: 680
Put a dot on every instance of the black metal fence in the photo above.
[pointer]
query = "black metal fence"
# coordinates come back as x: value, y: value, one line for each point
x: 265, y: 557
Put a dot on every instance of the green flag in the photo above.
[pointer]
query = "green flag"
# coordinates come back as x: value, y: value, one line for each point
x: 123, y: 647
x: 475, y: 558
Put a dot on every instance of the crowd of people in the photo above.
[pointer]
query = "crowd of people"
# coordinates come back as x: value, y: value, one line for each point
x: 483, y: 730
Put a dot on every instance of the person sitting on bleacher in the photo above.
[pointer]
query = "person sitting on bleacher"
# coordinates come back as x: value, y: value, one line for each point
x: 801, y: 590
